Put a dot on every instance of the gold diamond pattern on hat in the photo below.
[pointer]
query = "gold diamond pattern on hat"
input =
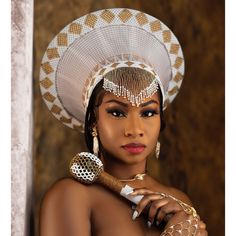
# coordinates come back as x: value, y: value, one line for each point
x: 52, y: 53
x: 77, y: 127
x: 142, y: 65
x: 141, y: 18
x: 75, y: 28
x: 173, y: 90
x: 49, y: 97
x: 125, y: 15
x: 47, y: 68
x: 178, y: 77
x: 155, y: 26
x: 65, y: 120
x: 174, y: 48
x: 129, y: 63
x: 91, y: 20
x: 62, y: 39
x: 46, y: 83
x: 102, y: 71
x: 56, y: 109
x: 178, y: 62
x: 166, y: 36
x: 114, y: 65
x: 166, y: 102
x: 108, y: 16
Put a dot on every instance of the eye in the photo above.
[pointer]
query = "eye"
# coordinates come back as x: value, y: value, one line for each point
x: 116, y: 113
x: 149, y: 113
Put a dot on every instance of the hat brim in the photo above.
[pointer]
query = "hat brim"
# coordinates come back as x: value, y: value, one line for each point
x: 97, y: 39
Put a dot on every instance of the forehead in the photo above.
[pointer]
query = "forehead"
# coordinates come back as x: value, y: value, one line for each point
x: 110, y: 96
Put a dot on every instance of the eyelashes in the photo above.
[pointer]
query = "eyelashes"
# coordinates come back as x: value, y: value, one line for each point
x: 144, y: 113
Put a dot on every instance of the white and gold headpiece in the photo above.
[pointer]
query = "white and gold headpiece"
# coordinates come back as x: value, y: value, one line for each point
x: 91, y: 47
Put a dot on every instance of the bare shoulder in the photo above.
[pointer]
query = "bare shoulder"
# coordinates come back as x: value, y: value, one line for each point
x: 65, y: 189
x: 66, y: 199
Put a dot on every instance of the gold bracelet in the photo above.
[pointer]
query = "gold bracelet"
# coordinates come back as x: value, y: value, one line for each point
x: 187, y: 208
x: 188, y: 228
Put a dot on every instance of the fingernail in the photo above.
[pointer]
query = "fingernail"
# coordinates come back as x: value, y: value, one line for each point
x: 135, y: 214
x: 133, y: 207
x: 157, y: 223
x: 149, y: 224
x: 129, y: 192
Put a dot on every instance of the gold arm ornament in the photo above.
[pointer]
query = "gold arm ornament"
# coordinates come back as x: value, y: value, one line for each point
x: 188, y: 227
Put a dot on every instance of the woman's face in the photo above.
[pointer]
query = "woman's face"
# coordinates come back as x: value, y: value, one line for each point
x: 128, y: 133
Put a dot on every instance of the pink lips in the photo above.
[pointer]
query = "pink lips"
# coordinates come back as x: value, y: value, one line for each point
x: 134, y: 148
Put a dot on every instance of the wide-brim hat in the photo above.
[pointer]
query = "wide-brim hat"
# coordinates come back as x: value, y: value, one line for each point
x: 91, y: 46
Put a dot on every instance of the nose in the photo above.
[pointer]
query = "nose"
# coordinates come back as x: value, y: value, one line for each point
x: 134, y: 127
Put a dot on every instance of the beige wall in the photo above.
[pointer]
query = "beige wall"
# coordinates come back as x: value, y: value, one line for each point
x: 192, y: 146
x: 22, y: 114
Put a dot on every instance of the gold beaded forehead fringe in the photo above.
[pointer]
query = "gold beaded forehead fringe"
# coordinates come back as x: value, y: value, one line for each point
x: 134, y: 84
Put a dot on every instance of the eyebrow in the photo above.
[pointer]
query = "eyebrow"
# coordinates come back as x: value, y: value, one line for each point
x: 126, y: 104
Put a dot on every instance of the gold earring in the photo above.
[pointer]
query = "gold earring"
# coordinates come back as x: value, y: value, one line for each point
x: 158, y: 146
x: 95, y: 142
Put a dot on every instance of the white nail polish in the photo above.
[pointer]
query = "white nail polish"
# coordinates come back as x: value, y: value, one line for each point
x: 149, y: 224
x: 135, y: 214
x: 129, y: 192
x: 133, y: 207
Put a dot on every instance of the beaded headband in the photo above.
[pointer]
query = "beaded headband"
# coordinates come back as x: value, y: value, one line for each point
x: 91, y: 47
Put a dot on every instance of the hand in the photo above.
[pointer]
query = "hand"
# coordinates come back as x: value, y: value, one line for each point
x: 202, y: 229
x: 159, y: 207
x: 164, y: 207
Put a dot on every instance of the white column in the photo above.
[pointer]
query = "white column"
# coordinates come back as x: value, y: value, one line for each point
x: 22, y: 125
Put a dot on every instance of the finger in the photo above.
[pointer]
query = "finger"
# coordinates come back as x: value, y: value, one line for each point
x: 202, y: 232
x: 201, y: 224
x: 154, y: 209
x: 145, y: 201
x: 171, y: 207
x: 140, y: 191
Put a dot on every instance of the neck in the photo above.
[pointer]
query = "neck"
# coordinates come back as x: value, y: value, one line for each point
x: 123, y: 171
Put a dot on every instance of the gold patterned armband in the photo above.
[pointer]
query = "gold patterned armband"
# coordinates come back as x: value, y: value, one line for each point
x: 185, y: 228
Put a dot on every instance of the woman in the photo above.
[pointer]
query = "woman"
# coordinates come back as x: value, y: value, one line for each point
x: 112, y: 73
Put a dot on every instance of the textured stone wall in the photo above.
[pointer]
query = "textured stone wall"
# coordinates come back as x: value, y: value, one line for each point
x: 22, y: 114
x: 192, y: 146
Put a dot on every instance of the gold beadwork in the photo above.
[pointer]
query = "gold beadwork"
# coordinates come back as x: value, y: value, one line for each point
x: 173, y: 91
x: 56, y: 109
x: 108, y: 16
x: 141, y: 18
x: 47, y: 68
x: 125, y: 15
x: 52, y: 53
x: 91, y: 20
x: 46, y: 83
x: 129, y: 63
x: 166, y: 36
x: 62, y: 39
x: 65, y: 120
x: 155, y: 26
x: 174, y: 48
x: 178, y: 62
x: 75, y: 28
x: 178, y: 77
x: 49, y: 97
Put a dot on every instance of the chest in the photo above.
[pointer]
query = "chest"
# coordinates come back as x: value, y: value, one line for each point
x: 112, y: 215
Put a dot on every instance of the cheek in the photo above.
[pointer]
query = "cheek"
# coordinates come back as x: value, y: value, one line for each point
x: 108, y: 130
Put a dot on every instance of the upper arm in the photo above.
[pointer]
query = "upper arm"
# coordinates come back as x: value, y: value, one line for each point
x: 65, y: 210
